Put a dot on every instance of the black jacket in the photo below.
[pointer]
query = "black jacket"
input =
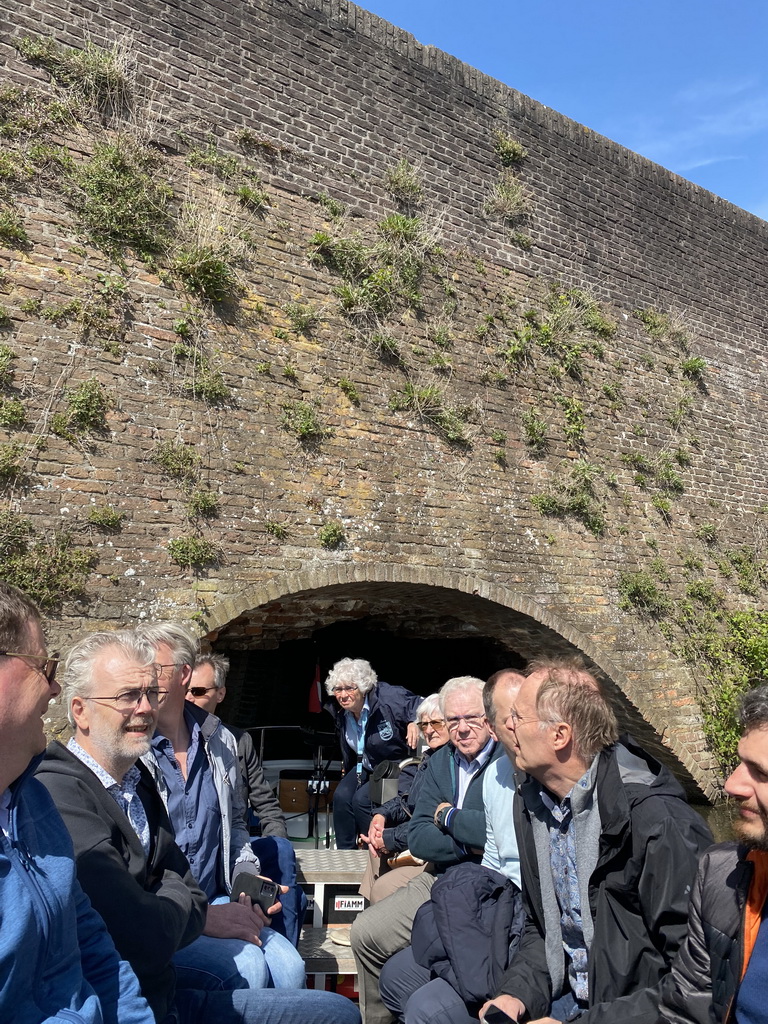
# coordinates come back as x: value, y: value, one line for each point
x: 391, y: 709
x: 705, y: 976
x: 258, y: 793
x: 399, y: 810
x: 151, y: 906
x: 649, y: 845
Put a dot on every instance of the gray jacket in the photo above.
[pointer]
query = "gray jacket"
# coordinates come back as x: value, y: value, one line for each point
x: 221, y: 750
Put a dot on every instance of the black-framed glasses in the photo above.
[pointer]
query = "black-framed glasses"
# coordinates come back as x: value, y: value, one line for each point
x: 472, y: 721
x: 435, y: 723
x: 128, y: 700
x: 49, y: 664
x: 200, y: 691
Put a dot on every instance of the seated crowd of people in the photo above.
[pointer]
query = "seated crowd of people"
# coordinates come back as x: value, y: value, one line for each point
x: 535, y: 864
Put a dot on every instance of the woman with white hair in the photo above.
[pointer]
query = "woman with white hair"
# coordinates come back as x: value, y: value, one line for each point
x: 391, y: 864
x: 372, y: 721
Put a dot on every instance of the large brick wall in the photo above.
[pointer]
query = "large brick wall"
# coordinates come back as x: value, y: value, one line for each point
x: 335, y: 96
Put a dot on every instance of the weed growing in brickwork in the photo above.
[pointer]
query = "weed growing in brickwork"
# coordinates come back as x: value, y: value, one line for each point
x: 176, y: 459
x: 7, y: 357
x: 508, y: 199
x: 118, y: 200
x: 663, y: 506
x: 277, y: 530
x: 12, y: 414
x: 6, y: 320
x: 664, y: 326
x: 331, y: 534
x: 403, y: 182
x: 302, y: 317
x: 13, y: 464
x: 350, y: 390
x: 207, y: 271
x: 534, y: 431
x: 694, y: 368
x: 105, y: 517
x: 224, y: 167
x: 202, y: 504
x: 509, y: 151
x: 192, y: 552
x: 49, y: 571
x: 640, y: 591
x: 333, y: 207
x: 102, y: 77
x: 87, y: 405
x: 252, y: 197
x: 13, y: 234
x: 707, y: 532
x: 301, y: 419
x: 573, y: 412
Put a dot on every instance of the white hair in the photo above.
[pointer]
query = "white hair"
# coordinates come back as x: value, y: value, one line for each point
x: 459, y: 684
x: 353, y: 672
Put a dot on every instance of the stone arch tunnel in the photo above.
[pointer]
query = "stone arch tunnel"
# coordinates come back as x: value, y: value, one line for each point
x: 414, y: 633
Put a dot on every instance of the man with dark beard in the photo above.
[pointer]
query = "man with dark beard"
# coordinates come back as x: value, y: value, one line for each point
x: 721, y: 970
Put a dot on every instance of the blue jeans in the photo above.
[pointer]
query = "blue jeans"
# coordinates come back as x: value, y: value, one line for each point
x: 267, y: 1006
x: 278, y: 862
x: 209, y: 963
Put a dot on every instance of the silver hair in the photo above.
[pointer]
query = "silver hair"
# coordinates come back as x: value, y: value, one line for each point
x: 181, y: 640
x: 753, y: 710
x: 428, y: 707
x: 353, y: 671
x: 77, y: 673
x: 459, y: 684
x: 220, y: 665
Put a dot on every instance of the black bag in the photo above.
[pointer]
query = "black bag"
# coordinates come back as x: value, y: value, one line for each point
x: 383, y: 783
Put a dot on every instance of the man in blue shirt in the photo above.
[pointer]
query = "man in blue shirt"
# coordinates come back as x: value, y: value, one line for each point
x: 195, y: 765
x: 57, y: 962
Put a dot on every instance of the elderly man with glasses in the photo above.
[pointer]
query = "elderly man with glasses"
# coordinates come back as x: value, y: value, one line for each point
x: 127, y: 861
x: 448, y: 826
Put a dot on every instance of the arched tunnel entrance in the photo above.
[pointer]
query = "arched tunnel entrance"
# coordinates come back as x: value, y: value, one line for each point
x: 414, y: 634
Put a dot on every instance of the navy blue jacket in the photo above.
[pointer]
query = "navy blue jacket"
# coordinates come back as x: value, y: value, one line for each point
x: 391, y: 709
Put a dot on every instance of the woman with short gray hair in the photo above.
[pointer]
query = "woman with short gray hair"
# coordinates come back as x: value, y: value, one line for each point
x: 372, y: 720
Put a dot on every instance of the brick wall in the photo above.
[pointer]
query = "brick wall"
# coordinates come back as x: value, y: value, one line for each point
x: 339, y: 96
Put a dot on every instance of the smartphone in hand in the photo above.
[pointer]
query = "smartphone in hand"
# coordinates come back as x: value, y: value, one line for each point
x: 263, y: 893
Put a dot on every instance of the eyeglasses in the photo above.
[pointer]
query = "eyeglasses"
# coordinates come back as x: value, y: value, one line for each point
x: 128, y: 700
x: 472, y: 721
x: 49, y: 667
x: 513, y: 719
x: 161, y: 669
x: 200, y: 691
x: 436, y: 723
x: 344, y: 689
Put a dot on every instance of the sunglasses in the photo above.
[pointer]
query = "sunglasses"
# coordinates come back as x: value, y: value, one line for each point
x: 49, y: 664
x: 436, y: 723
x: 200, y: 691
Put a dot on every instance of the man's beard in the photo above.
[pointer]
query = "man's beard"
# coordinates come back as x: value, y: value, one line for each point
x: 749, y: 836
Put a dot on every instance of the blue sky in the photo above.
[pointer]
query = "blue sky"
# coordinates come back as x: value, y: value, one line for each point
x: 684, y: 83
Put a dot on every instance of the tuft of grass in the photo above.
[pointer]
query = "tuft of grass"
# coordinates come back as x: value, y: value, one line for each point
x: 87, y: 405
x: 301, y: 419
x: 207, y: 271
x: 403, y: 182
x: 277, y: 530
x: 509, y: 199
x: 573, y: 412
x: 331, y: 534
x: 350, y: 390
x: 640, y: 591
x: 694, y: 368
x: 12, y: 231
x: 192, y: 552
x: 302, y: 317
x: 49, y: 571
x: 333, y: 207
x: 12, y: 414
x: 103, y: 77
x: 252, y: 197
x: 106, y: 517
x: 508, y: 149
x: 534, y: 430
x: 707, y: 532
x: 202, y: 504
x: 176, y: 459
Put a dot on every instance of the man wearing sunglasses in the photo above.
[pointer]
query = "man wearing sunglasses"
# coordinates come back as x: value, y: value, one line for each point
x: 57, y: 962
x: 127, y: 861
x: 448, y: 826
x: 207, y: 689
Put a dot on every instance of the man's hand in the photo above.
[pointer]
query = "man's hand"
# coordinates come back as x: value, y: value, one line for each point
x: 375, y: 837
x: 440, y: 808
x: 510, y: 1005
x: 412, y: 735
x: 239, y: 920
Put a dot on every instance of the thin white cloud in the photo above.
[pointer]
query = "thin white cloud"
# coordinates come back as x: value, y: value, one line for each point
x: 706, y: 161
x: 705, y: 91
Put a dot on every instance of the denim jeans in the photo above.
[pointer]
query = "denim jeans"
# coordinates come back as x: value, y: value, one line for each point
x: 210, y: 963
x: 267, y: 1006
x: 278, y: 862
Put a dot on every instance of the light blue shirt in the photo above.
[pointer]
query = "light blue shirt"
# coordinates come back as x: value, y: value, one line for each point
x: 501, y: 852
x: 467, y: 770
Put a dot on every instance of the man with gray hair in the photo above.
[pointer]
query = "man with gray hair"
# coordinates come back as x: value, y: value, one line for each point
x: 608, y: 849
x: 448, y: 826
x: 722, y: 965
x: 137, y: 877
x: 276, y: 855
x: 195, y: 766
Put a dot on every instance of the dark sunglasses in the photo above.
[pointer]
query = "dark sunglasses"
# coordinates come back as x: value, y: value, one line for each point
x: 200, y: 691
x: 49, y: 664
x: 436, y: 723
